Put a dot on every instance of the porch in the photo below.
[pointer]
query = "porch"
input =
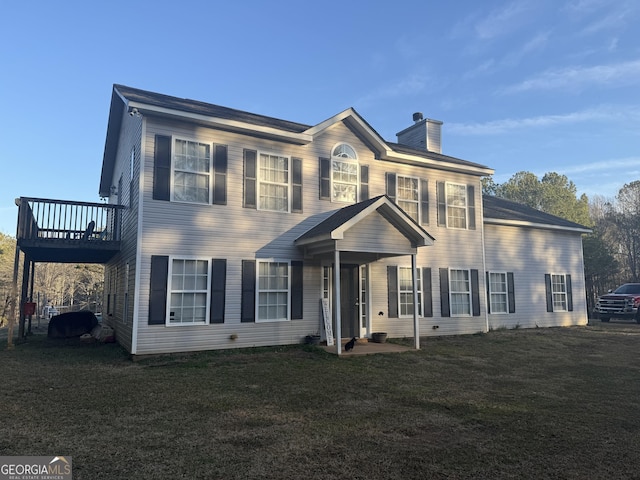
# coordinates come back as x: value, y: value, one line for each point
x: 367, y: 348
x: 60, y: 231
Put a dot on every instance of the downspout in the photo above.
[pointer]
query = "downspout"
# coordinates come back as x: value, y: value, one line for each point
x: 484, y: 265
x: 416, y: 325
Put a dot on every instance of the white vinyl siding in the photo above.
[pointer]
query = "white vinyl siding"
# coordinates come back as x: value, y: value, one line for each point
x: 188, y: 291
x: 191, y: 171
x: 273, y: 291
x: 456, y: 198
x: 498, y: 293
x: 460, y: 292
x: 273, y: 183
x: 407, y: 196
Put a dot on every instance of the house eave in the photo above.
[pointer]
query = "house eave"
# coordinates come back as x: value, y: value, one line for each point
x: 546, y: 226
x: 223, y: 123
x: 437, y: 164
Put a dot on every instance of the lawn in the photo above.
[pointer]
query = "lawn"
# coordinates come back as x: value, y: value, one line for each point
x: 543, y: 403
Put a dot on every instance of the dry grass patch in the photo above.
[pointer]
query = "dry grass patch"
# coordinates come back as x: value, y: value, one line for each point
x: 544, y: 403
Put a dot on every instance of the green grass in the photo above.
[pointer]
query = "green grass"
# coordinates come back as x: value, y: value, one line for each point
x: 541, y: 403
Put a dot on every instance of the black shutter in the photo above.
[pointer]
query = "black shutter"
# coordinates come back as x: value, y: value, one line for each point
x: 296, y: 290
x: 296, y: 184
x: 488, y: 292
x: 158, y: 290
x: 471, y: 206
x: 444, y: 292
x: 162, y: 168
x: 442, y: 204
x: 475, y: 293
x: 424, y: 202
x: 427, y: 295
x: 248, y: 302
x: 511, y: 292
x: 392, y: 290
x: 250, y: 178
x: 569, y: 293
x: 547, y: 286
x: 391, y: 185
x: 325, y: 179
x: 218, y: 282
x: 220, y: 174
x: 364, y: 182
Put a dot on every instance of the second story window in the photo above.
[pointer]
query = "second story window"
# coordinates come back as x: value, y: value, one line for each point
x: 456, y: 205
x: 191, y: 171
x: 344, y: 174
x: 407, y: 196
x: 274, y: 183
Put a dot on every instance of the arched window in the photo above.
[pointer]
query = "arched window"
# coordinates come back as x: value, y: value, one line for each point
x: 344, y: 174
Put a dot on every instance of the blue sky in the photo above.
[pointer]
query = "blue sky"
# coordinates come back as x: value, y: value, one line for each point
x: 535, y: 85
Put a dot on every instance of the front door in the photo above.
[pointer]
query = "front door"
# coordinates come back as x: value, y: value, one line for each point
x: 349, y: 305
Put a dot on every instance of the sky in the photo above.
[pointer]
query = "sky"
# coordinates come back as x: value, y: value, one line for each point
x: 520, y: 85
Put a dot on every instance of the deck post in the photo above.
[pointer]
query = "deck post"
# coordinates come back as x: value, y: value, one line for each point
x: 26, y: 273
x: 14, y: 294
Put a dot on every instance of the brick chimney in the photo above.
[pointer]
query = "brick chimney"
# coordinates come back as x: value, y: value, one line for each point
x: 424, y: 134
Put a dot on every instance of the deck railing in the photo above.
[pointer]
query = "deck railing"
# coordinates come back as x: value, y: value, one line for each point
x: 43, y: 219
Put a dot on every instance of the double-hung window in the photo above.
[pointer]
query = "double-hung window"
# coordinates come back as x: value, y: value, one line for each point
x: 456, y: 205
x: 405, y: 291
x: 407, y: 196
x: 460, y: 292
x: 189, y: 284
x: 273, y: 291
x: 559, y: 292
x: 344, y: 174
x: 274, y: 183
x: 191, y: 171
x: 498, y: 292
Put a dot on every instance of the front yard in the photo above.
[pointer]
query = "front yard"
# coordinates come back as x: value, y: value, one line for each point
x: 543, y: 403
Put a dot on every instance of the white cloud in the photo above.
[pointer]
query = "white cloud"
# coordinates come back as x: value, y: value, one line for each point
x: 411, y: 85
x: 603, y: 113
x: 502, y: 21
x: 611, y: 165
x: 577, y: 78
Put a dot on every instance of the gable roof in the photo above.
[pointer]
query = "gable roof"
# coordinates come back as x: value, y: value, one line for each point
x: 334, y: 226
x: 143, y: 97
x: 498, y: 210
x: 229, y: 119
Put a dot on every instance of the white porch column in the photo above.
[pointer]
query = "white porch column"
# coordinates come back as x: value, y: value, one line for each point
x: 416, y: 326
x: 336, y: 303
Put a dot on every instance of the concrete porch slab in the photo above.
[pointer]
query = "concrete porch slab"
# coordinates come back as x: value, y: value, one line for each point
x: 368, y: 348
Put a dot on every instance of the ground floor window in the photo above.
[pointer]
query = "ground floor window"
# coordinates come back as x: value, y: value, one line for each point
x: 189, y: 287
x: 273, y: 291
x: 498, y: 293
x: 460, y: 292
x: 405, y: 291
x: 559, y: 292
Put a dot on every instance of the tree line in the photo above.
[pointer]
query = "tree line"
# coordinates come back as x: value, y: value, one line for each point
x: 65, y: 286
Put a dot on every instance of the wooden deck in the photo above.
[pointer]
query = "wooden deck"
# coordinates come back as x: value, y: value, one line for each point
x: 62, y: 231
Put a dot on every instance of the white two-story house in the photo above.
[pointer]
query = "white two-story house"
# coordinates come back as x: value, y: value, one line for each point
x: 242, y: 230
